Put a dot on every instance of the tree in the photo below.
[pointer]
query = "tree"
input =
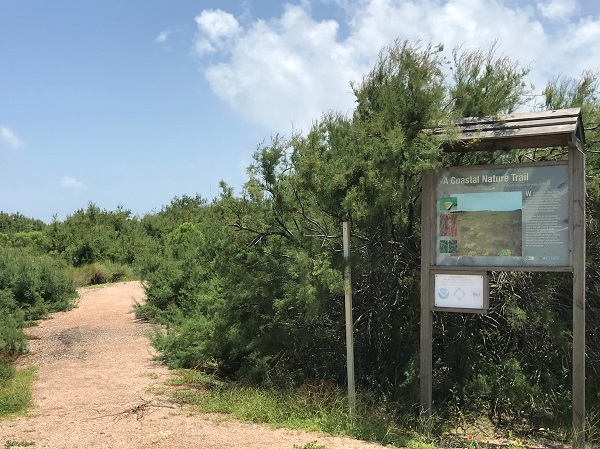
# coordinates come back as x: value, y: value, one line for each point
x: 256, y: 287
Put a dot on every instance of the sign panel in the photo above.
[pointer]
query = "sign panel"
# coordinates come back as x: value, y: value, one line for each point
x: 512, y: 216
x: 460, y: 291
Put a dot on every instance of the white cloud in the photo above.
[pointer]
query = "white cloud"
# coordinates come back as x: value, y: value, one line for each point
x: 557, y: 9
x: 9, y: 139
x: 71, y: 183
x: 286, y: 72
x: 577, y: 48
x: 215, y: 29
x: 163, y: 36
x: 292, y: 68
x: 469, y: 24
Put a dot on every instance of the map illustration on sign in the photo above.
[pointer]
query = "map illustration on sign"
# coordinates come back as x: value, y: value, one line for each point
x: 482, y: 224
x: 514, y: 216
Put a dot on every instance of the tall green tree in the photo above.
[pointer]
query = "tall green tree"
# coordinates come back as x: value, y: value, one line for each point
x: 253, y: 284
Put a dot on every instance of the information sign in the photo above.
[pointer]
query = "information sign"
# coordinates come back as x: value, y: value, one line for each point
x: 510, y: 216
x: 461, y: 291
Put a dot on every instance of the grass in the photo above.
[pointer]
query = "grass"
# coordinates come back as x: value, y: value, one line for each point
x: 10, y: 444
x: 322, y: 410
x: 15, y: 393
x: 311, y: 445
x: 326, y: 410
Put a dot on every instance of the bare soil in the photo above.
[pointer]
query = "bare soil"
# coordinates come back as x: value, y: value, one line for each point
x: 98, y: 386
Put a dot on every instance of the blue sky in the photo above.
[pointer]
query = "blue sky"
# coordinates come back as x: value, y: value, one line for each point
x: 497, y: 201
x: 134, y: 102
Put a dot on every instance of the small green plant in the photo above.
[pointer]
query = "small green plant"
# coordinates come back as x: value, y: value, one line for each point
x: 310, y: 445
x: 10, y: 444
x: 473, y: 445
x: 15, y: 393
x: 593, y: 427
x: 193, y: 378
x: 419, y: 443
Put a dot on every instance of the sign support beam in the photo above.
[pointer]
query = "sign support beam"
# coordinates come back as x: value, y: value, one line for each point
x: 577, y: 167
x: 349, y: 319
x: 427, y: 250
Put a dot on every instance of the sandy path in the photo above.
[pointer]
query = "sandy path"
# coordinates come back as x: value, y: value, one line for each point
x: 95, y: 363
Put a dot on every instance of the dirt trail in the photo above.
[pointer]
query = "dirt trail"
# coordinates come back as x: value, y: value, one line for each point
x: 96, y: 365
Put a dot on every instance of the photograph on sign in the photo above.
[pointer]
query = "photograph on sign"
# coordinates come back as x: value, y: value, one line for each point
x: 460, y: 291
x: 510, y: 216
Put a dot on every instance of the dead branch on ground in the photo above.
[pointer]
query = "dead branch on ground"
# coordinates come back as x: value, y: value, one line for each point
x: 139, y: 410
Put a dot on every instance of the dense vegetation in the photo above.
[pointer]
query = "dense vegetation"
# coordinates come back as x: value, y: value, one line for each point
x: 30, y: 288
x: 250, y: 285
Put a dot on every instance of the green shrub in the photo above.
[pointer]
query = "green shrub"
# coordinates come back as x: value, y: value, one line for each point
x: 101, y: 273
x: 12, y: 340
x: 7, y: 371
x: 30, y: 288
x: 39, y: 285
x: 35, y: 240
x: 187, y: 344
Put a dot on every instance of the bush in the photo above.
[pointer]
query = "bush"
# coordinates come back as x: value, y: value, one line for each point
x: 12, y: 340
x: 7, y: 371
x: 38, y: 285
x: 30, y: 288
x: 101, y: 273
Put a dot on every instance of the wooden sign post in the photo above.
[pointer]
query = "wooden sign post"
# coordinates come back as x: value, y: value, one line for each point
x: 529, y: 203
x: 577, y: 168
x: 349, y: 319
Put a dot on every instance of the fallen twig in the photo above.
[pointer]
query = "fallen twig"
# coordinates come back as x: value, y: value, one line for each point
x: 139, y: 410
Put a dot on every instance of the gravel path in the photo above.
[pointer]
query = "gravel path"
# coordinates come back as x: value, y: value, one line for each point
x: 94, y: 389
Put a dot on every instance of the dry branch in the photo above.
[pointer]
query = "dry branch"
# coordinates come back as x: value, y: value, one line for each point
x: 139, y: 410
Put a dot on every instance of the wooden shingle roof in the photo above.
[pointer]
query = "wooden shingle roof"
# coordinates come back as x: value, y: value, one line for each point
x: 559, y: 127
